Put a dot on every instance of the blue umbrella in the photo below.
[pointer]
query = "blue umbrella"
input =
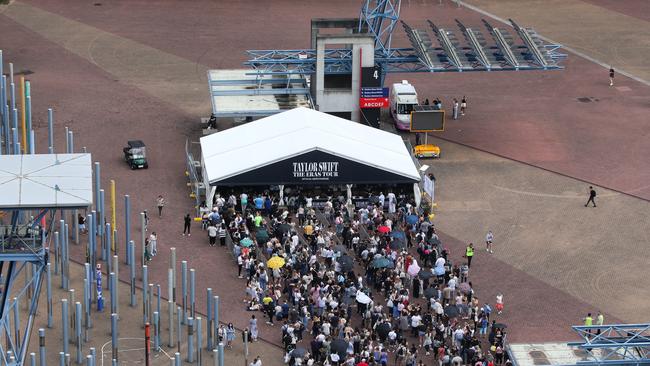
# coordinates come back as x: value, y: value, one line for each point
x: 383, y: 263
x: 398, y: 234
x: 411, y: 219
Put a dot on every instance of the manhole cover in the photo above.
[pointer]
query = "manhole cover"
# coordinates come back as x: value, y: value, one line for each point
x: 584, y: 99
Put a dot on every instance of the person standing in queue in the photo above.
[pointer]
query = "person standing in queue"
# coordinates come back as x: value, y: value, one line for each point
x: 469, y: 254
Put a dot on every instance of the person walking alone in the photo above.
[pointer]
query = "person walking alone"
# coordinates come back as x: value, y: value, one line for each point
x: 611, y: 76
x: 455, y: 110
x: 489, y: 238
x: 469, y: 254
x: 160, y: 203
x: 187, y: 221
x: 463, y: 106
x: 592, y: 197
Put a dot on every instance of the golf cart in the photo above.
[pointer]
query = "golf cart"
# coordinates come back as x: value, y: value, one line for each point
x: 135, y: 154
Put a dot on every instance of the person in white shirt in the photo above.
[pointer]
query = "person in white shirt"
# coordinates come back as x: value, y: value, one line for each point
x: 382, y: 200
x: 392, y: 202
x: 489, y: 238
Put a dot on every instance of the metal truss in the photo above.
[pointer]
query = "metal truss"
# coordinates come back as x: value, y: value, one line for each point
x: 614, y: 344
x: 22, y: 249
x: 379, y: 18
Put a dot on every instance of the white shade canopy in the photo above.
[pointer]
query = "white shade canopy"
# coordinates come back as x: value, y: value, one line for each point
x: 299, y: 131
x: 46, y: 181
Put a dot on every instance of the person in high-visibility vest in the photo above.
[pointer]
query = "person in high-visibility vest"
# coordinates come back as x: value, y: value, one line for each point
x: 469, y: 253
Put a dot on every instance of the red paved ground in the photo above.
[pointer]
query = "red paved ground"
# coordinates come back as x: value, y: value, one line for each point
x: 634, y: 8
x: 533, y: 117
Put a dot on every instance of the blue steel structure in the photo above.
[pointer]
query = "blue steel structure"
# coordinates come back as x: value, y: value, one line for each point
x: 379, y: 18
x: 614, y: 344
x: 22, y: 248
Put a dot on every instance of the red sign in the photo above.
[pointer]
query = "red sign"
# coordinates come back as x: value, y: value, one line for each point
x: 373, y: 102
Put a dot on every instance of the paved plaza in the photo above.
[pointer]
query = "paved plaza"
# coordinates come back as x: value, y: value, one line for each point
x: 519, y: 163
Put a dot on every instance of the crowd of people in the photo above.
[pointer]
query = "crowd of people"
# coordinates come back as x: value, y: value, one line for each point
x: 357, y: 286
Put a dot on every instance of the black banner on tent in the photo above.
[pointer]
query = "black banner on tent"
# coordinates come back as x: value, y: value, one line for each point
x: 314, y: 168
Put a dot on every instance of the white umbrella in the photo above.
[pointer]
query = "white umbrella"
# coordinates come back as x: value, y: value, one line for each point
x: 363, y: 298
x: 414, y: 269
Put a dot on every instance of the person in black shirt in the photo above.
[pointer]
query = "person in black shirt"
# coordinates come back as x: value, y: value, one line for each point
x: 592, y: 196
x: 187, y: 220
x: 611, y: 76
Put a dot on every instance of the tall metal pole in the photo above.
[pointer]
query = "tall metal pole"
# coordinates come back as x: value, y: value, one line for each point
x: 156, y: 331
x: 172, y: 265
x: 113, y: 290
x: 116, y: 283
x: 71, y: 142
x: 184, y: 289
x: 199, y: 339
x: 147, y: 343
x: 145, y: 298
x: 179, y: 329
x: 114, y: 336
x: 127, y: 221
x: 131, y: 250
x: 107, y: 246
x: 48, y: 280
x: 215, y: 316
x: 65, y: 321
x: 192, y: 291
x: 209, y: 325
x: 77, y: 330
x: 143, y: 235
x: 50, y: 131
x: 221, y: 355
x: 190, y: 339
x: 42, y: 357
x: 23, y: 142
x: 113, y: 217
x: 170, y: 316
x: 101, y: 226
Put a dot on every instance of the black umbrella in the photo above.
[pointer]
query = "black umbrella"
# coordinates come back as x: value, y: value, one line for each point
x: 451, y: 311
x: 299, y: 352
x: 340, y: 248
x: 397, y: 244
x: 383, y: 329
x: 262, y: 235
x: 284, y: 228
x: 346, y: 263
x: 499, y: 325
x: 340, y: 347
x: 430, y: 291
x: 425, y: 274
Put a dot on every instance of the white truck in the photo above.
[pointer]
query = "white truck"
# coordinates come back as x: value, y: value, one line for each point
x: 403, y: 98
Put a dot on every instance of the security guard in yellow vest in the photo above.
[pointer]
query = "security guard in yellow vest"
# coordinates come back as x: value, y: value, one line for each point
x: 469, y: 253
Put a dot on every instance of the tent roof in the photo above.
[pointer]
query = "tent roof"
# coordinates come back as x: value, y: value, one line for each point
x: 295, y: 132
x: 45, y: 181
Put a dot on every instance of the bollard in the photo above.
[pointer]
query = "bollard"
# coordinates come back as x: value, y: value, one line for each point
x: 93, y: 354
x: 158, y: 298
x: 61, y: 358
x: 65, y: 321
x: 192, y: 292
x: 114, y: 336
x: 170, y: 284
x: 89, y: 360
x: 190, y: 339
x: 101, y: 225
x: 150, y: 301
x: 42, y: 357
x: 57, y: 253
x: 71, y: 302
x: 215, y: 356
x: 48, y: 280
x: 184, y: 289
x: 177, y: 359
x: 32, y: 359
x: 209, y: 325
x: 108, y: 239
x: 77, y: 330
